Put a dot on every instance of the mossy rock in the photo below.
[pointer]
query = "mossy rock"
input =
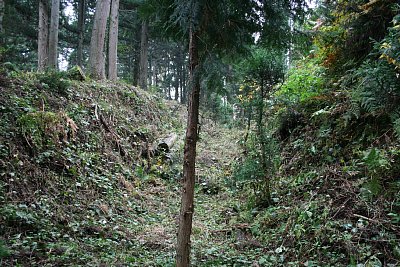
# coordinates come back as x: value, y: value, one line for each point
x: 76, y: 73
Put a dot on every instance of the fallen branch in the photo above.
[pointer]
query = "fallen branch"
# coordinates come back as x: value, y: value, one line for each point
x: 369, y: 219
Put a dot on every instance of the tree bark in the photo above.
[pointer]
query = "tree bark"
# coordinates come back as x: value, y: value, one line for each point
x: 189, y: 158
x: 81, y: 29
x: 113, y: 41
x: 176, y: 81
x: 144, y: 48
x: 43, y: 35
x: 97, y: 41
x: 183, y: 82
x: 53, y: 36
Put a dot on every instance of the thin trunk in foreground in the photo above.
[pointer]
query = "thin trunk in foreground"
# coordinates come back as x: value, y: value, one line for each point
x: 189, y: 159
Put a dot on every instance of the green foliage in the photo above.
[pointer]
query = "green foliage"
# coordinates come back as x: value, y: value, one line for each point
x: 376, y: 164
x: 374, y: 85
x: 248, y: 171
x: 344, y: 39
x: 304, y: 81
x: 390, y: 45
x: 75, y: 73
x: 376, y: 88
x: 258, y: 168
x: 4, y: 252
x: 220, y: 108
x: 396, y: 126
x: 375, y: 160
x: 55, y: 81
x: 263, y: 66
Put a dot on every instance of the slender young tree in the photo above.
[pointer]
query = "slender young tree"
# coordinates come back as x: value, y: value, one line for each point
x: 226, y: 27
x: 53, y: 35
x: 189, y: 157
x: 43, y: 35
x: 97, y: 41
x: 113, y: 41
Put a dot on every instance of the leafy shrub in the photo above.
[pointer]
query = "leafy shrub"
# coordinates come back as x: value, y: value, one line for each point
x: 377, y: 87
x: 55, y: 81
x: 288, y: 120
x: 390, y: 46
x: 258, y: 168
x: 376, y: 163
x: 248, y: 171
x: 304, y: 81
x: 344, y: 40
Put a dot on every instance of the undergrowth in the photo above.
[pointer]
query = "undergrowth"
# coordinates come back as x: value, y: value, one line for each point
x: 80, y: 183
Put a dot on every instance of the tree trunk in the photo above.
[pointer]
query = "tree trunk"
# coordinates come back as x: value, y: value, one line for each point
x: 249, y: 117
x: 168, y: 79
x: 113, y: 41
x: 144, y: 47
x: 155, y: 73
x: 81, y: 29
x: 183, y: 83
x: 53, y: 36
x: 189, y: 159
x: 136, y: 61
x: 176, y: 81
x: 43, y: 35
x: 96, y: 55
x: 266, y: 197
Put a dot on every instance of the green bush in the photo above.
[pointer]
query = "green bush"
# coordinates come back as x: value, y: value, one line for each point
x: 55, y: 81
x: 304, y: 81
x: 390, y: 46
x: 377, y: 87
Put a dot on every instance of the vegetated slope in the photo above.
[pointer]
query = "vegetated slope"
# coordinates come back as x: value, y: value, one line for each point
x: 337, y: 200
x: 80, y: 180
x: 79, y: 188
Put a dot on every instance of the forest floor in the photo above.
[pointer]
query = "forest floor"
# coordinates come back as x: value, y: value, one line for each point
x: 219, y: 237
x: 77, y: 189
x: 81, y: 184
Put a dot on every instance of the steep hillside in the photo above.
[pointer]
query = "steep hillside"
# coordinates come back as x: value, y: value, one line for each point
x: 81, y: 175
x: 336, y: 193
